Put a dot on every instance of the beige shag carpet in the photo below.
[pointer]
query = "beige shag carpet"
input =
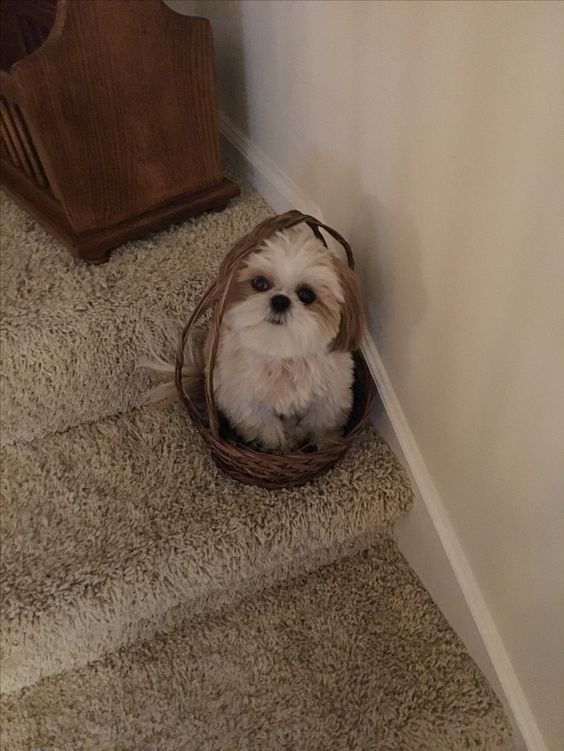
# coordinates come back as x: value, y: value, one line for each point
x: 148, y: 602
x: 71, y: 334
x: 109, y: 526
x: 354, y: 656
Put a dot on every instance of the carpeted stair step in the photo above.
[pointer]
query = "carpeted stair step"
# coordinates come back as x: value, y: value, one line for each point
x: 71, y: 334
x: 354, y: 656
x: 151, y: 603
x: 111, y: 528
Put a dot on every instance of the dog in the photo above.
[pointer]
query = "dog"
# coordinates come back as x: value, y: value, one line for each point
x: 284, y: 368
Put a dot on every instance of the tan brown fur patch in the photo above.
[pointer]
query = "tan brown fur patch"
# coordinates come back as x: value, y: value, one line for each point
x: 240, y: 291
x: 328, y: 314
x: 352, y: 322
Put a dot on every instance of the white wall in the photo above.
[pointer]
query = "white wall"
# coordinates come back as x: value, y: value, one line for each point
x: 432, y: 133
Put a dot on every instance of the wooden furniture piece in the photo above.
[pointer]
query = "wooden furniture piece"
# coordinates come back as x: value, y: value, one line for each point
x: 108, y: 118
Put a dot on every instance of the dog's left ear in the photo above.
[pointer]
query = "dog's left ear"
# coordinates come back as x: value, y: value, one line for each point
x: 352, y: 322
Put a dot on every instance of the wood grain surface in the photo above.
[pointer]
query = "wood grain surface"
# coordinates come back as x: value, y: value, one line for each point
x: 108, y: 117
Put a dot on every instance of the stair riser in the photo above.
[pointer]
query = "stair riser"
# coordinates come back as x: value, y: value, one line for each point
x: 96, y: 628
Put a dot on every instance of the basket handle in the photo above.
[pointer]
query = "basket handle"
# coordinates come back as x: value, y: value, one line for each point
x: 294, y: 217
x: 215, y: 326
x: 315, y: 224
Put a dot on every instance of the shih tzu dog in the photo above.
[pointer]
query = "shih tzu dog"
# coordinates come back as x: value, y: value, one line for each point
x: 284, y: 368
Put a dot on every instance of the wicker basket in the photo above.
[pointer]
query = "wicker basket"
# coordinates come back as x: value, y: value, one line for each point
x: 240, y: 461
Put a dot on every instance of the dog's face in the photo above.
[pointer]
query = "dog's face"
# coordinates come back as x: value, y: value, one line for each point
x: 294, y: 299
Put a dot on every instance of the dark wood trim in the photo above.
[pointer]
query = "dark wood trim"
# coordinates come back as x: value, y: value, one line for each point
x: 95, y: 246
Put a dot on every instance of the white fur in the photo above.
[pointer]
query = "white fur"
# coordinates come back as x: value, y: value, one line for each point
x: 277, y: 378
x: 316, y: 389
x: 279, y: 384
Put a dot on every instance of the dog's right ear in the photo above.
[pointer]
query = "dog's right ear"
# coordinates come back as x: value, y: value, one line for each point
x: 351, y: 327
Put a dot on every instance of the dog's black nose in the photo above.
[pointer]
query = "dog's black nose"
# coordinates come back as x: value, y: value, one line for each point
x: 280, y: 303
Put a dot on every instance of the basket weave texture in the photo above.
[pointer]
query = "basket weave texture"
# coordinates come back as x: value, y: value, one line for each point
x: 242, y: 462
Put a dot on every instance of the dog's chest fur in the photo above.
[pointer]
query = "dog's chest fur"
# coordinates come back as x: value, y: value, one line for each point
x: 287, y: 387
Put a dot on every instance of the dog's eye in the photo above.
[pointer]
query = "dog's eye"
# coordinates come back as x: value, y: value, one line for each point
x: 260, y: 283
x: 306, y: 295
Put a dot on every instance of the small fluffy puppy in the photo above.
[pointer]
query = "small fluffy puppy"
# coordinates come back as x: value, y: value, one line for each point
x: 284, y: 370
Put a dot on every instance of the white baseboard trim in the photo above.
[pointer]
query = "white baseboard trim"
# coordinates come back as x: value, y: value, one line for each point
x: 263, y: 174
x: 282, y: 194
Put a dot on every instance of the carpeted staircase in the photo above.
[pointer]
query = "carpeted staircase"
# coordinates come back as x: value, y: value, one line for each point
x: 149, y: 602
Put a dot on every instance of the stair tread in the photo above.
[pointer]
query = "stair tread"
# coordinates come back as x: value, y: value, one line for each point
x: 108, y: 527
x: 72, y: 334
x: 151, y: 602
x: 353, y: 656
